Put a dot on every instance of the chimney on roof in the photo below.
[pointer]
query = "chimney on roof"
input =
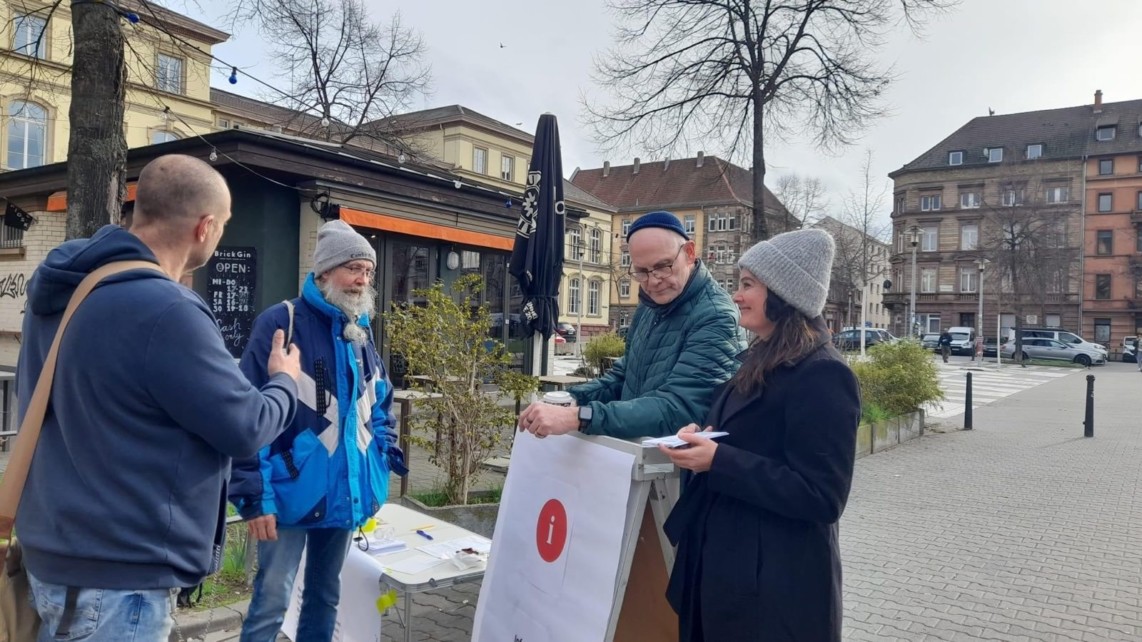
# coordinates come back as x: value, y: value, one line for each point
x: 701, y: 158
x: 635, y: 170
x: 606, y: 168
x: 666, y: 165
x: 1098, y: 101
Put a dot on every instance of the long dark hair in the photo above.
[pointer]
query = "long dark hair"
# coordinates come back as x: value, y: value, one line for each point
x: 794, y: 336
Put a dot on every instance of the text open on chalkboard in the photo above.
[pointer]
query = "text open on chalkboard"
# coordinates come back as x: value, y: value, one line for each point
x: 231, y: 279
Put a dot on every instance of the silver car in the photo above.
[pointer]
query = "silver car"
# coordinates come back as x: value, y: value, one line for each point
x: 1056, y: 351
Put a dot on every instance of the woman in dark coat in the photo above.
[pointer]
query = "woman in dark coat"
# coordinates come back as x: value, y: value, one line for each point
x: 756, y: 526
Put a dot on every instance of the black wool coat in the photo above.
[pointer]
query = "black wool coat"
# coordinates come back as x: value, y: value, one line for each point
x: 758, y: 555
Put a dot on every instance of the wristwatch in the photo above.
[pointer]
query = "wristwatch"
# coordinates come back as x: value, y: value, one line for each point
x: 585, y: 415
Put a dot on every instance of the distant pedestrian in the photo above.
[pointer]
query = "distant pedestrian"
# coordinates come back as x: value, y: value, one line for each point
x: 945, y: 344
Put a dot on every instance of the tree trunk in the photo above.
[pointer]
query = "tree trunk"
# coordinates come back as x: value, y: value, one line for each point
x: 97, y: 147
x: 760, y: 225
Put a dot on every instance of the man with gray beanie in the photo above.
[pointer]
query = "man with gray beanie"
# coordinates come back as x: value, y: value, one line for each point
x: 681, y: 341
x: 329, y: 471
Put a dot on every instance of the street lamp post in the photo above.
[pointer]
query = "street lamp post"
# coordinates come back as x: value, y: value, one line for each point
x: 914, y: 239
x: 981, y: 262
x: 582, y: 293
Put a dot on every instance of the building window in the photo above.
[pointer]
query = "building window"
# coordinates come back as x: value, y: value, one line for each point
x: 624, y: 259
x: 573, y: 296
x: 1102, y: 331
x: 1106, y: 132
x: 928, y: 280
x: 595, y: 245
x: 1053, y: 321
x: 689, y: 223
x: 224, y: 123
x: 626, y: 227
x: 624, y: 288
x: 1012, y: 197
x: 969, y: 200
x: 29, y: 36
x: 1106, y: 167
x: 1138, y: 205
x: 480, y: 160
x: 969, y: 279
x: 1102, y: 286
x: 11, y: 237
x: 163, y: 136
x: 168, y: 74
x: 929, y: 203
x: 929, y: 238
x: 731, y: 222
x: 969, y: 236
x: 27, y: 134
x: 1105, y: 202
x: 994, y: 154
x: 928, y: 322
x: 1034, y: 151
x: 1058, y: 194
x: 576, y: 242
x: 955, y: 158
x: 1105, y: 243
x: 507, y: 167
x: 1138, y: 240
x: 593, y: 298
x: 469, y: 260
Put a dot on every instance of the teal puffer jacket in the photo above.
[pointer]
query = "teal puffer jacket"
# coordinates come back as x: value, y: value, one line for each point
x: 676, y: 354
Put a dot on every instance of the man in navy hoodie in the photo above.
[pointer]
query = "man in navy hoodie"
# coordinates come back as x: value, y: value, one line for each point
x: 329, y: 471
x: 125, y: 499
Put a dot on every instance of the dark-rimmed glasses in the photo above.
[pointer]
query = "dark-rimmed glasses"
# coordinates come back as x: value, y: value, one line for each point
x: 660, y: 272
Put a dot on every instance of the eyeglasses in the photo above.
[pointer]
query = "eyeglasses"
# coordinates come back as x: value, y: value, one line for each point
x: 660, y: 272
x: 360, y: 270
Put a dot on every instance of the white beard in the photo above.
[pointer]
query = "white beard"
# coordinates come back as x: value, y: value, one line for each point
x: 354, y: 306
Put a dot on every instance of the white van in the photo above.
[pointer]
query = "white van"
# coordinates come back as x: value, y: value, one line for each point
x: 1058, y: 335
x: 963, y: 340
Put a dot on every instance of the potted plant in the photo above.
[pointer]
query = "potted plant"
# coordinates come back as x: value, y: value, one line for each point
x: 601, y: 351
x: 445, y: 341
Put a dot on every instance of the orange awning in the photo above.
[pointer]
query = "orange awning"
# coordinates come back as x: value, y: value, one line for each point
x: 58, y: 202
x: 426, y: 230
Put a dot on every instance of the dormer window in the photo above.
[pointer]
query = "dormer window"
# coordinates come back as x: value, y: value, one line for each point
x: 993, y: 154
x: 1105, y: 132
x: 955, y: 158
x: 1034, y: 151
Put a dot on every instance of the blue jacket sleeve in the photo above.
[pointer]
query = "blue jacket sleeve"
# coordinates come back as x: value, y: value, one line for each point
x: 250, y: 489
x: 384, y: 422
x: 193, y: 378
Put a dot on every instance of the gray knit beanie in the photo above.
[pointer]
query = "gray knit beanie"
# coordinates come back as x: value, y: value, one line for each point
x: 795, y: 265
x: 337, y: 244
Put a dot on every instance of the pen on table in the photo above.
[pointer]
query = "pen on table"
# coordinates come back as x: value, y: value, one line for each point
x: 423, y: 534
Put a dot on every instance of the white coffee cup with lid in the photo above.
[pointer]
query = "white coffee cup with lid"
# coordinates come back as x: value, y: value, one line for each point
x: 558, y: 398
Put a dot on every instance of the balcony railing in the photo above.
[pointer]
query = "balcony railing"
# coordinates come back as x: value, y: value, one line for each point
x: 11, y: 237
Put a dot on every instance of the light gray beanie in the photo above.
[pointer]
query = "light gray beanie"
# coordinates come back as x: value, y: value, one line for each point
x: 796, y: 265
x: 337, y: 243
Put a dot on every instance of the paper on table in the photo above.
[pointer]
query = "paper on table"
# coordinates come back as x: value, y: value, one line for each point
x: 384, y: 545
x: 673, y: 441
x: 445, y: 550
x: 414, y: 565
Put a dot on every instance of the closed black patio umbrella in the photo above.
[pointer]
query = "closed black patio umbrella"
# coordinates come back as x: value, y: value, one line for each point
x: 537, y: 256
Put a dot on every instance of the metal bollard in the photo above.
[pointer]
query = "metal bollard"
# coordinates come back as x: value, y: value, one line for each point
x: 967, y: 403
x: 1088, y: 422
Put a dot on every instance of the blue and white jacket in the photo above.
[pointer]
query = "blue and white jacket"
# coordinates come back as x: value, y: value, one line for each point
x: 330, y: 468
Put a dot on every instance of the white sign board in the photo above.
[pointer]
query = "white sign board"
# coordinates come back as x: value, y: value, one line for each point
x: 559, y: 534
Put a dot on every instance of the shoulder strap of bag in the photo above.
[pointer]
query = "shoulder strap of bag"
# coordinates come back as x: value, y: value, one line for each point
x: 289, y: 332
x: 20, y: 460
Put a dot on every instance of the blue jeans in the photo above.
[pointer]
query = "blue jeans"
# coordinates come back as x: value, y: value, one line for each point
x: 104, y: 615
x: 325, y: 550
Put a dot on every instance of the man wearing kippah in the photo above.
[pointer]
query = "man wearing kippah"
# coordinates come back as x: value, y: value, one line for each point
x: 329, y: 471
x: 682, y: 342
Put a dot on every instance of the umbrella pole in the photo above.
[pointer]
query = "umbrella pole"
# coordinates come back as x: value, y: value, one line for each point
x: 538, y: 354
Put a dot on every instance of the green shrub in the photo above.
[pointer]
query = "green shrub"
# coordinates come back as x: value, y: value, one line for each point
x: 896, y: 379
x: 601, y: 347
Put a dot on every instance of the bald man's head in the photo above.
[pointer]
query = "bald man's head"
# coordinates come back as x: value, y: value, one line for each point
x: 177, y: 188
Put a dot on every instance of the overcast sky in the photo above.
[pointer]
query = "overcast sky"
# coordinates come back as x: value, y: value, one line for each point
x: 1009, y: 55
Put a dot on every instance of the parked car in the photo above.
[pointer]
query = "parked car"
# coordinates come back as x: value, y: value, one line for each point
x: 931, y: 341
x: 989, y: 346
x: 850, y: 339
x: 1055, y: 350
x: 1069, y: 338
x: 566, y: 330
x: 1130, y: 349
x: 963, y: 340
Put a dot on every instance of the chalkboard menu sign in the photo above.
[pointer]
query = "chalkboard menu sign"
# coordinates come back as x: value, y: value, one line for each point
x: 231, y: 276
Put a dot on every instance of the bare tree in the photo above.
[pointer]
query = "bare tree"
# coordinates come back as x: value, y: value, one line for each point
x: 1027, y: 242
x: 346, y: 73
x: 803, y: 197
x: 735, y: 71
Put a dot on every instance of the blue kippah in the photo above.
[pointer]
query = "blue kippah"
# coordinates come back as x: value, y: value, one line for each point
x: 665, y: 220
